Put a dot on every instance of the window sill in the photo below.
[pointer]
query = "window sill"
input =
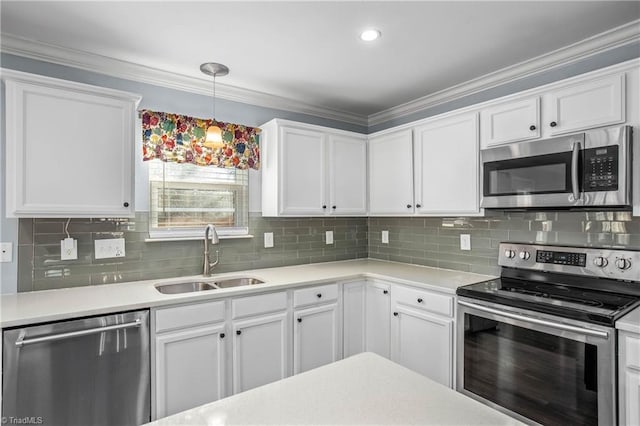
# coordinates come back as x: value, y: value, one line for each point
x: 221, y: 237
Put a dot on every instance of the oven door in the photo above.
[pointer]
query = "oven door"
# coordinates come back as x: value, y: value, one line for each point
x: 532, y: 174
x: 536, y: 367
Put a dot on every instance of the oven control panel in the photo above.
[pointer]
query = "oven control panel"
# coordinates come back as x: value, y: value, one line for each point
x: 590, y: 261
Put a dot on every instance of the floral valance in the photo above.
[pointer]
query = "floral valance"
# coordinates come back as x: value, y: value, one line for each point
x: 179, y: 138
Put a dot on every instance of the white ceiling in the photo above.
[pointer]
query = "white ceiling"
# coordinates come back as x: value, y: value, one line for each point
x: 310, y: 52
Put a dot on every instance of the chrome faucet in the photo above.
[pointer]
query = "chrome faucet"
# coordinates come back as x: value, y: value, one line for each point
x: 210, y: 230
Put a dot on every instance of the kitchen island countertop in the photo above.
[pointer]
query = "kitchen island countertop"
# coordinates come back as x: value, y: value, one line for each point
x: 52, y: 305
x: 362, y: 389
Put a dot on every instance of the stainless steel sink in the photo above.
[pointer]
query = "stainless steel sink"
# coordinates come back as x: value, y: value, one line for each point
x: 237, y: 282
x: 188, y: 287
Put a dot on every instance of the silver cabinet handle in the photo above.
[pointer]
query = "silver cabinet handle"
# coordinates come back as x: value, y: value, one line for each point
x: 21, y: 342
x: 552, y: 324
x: 574, y: 170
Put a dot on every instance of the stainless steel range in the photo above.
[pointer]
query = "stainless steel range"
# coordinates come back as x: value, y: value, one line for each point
x: 540, y: 342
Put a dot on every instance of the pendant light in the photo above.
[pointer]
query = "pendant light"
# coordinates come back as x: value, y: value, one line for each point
x: 214, y: 133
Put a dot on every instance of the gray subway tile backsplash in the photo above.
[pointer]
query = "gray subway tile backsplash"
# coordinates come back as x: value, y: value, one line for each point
x: 431, y: 241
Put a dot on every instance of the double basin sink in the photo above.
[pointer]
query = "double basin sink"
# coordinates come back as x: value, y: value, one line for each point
x: 194, y: 286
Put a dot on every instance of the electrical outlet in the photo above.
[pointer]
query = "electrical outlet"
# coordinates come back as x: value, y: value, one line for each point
x: 268, y: 239
x: 113, y: 247
x: 68, y: 249
x: 385, y: 237
x: 6, y: 252
x: 465, y: 242
x: 329, y: 237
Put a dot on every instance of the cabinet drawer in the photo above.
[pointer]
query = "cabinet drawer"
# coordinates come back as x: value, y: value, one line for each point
x: 423, y: 299
x: 261, y: 304
x: 189, y: 315
x: 317, y: 294
x: 632, y: 351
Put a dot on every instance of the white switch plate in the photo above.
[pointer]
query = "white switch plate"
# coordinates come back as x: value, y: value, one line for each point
x: 68, y: 249
x: 385, y: 237
x: 268, y: 239
x: 465, y: 242
x: 329, y: 237
x: 113, y: 247
x: 6, y: 252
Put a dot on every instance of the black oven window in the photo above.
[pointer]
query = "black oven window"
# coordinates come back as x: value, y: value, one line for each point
x: 549, y: 379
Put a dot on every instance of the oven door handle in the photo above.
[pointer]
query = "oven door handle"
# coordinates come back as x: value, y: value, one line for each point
x: 560, y: 326
x: 575, y: 188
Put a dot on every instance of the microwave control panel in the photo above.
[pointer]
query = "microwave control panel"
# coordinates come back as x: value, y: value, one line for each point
x: 600, y: 169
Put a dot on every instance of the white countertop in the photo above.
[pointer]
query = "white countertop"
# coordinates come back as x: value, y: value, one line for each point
x: 52, y: 305
x: 362, y: 389
x: 630, y: 322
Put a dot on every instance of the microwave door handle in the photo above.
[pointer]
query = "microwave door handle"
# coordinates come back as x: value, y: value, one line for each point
x: 575, y: 188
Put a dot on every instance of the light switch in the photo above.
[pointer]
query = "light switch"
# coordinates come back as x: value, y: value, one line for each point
x: 329, y: 237
x: 465, y: 242
x: 385, y: 237
x: 6, y: 252
x: 268, y: 239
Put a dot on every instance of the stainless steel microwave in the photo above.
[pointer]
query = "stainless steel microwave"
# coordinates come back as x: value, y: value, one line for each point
x: 589, y: 169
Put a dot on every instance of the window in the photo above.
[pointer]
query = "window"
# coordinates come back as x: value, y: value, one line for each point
x: 184, y: 198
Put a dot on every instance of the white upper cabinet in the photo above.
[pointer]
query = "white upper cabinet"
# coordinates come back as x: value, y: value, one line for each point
x: 446, y: 165
x: 69, y: 148
x: 312, y: 171
x: 593, y: 103
x: 347, y: 175
x: 511, y: 121
x: 391, y: 173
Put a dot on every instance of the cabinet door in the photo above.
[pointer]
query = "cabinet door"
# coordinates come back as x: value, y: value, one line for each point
x: 353, y: 317
x: 378, y: 318
x: 630, y: 404
x: 316, y: 337
x: 391, y: 174
x: 259, y: 351
x: 592, y: 104
x: 190, y: 368
x: 302, y: 172
x: 510, y: 121
x: 446, y: 166
x: 347, y: 175
x: 423, y: 343
x: 69, y: 149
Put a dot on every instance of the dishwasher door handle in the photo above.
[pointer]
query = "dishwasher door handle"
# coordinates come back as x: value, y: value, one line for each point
x: 21, y: 341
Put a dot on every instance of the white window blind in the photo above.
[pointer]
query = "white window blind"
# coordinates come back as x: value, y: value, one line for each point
x: 184, y: 198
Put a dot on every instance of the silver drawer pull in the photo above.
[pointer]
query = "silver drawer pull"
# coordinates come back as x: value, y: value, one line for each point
x: 21, y: 342
x: 560, y: 326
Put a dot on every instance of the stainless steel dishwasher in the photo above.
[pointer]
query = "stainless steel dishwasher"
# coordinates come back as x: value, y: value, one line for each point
x: 90, y: 371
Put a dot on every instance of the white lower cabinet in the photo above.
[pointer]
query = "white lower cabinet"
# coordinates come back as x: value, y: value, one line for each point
x: 378, y: 311
x: 259, y: 351
x: 316, y: 327
x: 422, y: 332
x: 189, y: 362
x: 260, y: 340
x: 315, y: 337
x: 423, y: 343
x: 354, y: 317
x: 629, y: 379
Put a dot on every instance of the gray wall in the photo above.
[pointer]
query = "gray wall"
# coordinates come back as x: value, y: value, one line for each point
x: 436, y: 241
x: 296, y: 241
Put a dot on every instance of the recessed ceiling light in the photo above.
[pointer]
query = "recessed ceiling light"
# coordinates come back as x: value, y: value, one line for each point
x: 370, y: 35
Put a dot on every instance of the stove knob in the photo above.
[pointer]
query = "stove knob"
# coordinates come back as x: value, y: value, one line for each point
x: 623, y: 264
x: 600, y: 261
x: 525, y: 255
x: 509, y: 254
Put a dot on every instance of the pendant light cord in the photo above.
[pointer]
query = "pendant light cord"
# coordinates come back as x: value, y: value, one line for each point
x: 214, y: 97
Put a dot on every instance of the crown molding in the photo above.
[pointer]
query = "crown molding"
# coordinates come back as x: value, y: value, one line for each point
x: 131, y: 71
x: 616, y: 37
